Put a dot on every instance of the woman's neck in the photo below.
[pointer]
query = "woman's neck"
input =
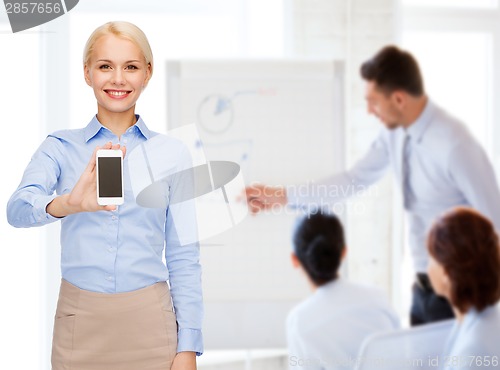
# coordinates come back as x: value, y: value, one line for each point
x: 459, y: 315
x: 117, y: 123
x: 314, y: 286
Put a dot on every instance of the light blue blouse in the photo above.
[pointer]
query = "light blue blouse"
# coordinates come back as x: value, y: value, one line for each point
x: 327, y: 329
x: 475, y: 342
x: 117, y: 251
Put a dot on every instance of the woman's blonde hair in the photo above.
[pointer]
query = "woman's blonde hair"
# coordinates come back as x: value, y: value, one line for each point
x: 125, y: 30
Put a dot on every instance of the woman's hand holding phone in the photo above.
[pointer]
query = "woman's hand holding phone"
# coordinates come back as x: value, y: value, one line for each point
x: 83, y: 197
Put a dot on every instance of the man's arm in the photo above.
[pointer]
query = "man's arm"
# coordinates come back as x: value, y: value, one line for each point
x: 330, y: 190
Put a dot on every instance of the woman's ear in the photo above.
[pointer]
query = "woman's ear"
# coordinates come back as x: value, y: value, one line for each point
x: 295, y: 260
x: 86, y: 74
x: 148, y: 76
x: 344, y: 253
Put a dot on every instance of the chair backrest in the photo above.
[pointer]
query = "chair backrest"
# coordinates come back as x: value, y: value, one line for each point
x: 405, y: 349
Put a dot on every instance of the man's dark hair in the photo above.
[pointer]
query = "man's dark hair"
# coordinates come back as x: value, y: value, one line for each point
x: 394, y: 69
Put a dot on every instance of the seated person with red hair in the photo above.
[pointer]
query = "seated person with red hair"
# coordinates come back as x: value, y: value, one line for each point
x: 465, y: 269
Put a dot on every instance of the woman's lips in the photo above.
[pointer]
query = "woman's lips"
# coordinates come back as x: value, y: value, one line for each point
x: 117, y: 94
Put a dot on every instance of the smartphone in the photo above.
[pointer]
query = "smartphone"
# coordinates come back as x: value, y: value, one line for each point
x: 109, y: 167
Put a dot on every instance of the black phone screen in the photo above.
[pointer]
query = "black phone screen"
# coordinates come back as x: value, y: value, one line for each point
x: 110, y: 177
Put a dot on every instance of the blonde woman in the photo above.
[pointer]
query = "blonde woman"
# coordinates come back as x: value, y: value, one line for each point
x: 115, y: 309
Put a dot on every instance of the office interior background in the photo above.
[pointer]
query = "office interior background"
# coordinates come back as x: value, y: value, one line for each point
x: 457, y: 43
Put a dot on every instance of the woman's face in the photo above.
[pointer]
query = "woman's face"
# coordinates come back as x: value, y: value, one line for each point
x: 117, y: 71
x: 439, y: 279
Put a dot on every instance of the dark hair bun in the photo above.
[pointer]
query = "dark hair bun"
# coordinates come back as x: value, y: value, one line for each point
x: 319, y: 243
x: 321, y: 259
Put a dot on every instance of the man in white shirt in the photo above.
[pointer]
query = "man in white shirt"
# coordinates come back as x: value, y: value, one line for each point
x: 434, y: 157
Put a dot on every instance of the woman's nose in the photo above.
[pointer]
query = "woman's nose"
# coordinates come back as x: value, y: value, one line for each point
x: 118, y: 77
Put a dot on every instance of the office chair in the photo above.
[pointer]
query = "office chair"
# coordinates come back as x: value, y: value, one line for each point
x: 405, y: 349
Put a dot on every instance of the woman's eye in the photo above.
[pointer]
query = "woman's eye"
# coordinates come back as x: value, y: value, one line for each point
x: 132, y: 67
x: 104, y: 66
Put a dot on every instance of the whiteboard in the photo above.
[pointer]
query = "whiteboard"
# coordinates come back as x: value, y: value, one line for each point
x: 282, y: 121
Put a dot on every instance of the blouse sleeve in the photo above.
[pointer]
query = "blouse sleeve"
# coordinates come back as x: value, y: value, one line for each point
x: 182, y: 253
x: 27, y: 206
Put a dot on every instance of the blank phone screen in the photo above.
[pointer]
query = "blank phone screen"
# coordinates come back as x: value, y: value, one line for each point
x: 110, y: 177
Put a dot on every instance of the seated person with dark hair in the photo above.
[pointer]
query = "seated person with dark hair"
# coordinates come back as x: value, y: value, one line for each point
x: 464, y: 268
x: 327, y: 329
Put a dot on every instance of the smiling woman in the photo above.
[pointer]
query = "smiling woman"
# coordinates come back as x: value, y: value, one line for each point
x: 118, y: 69
x: 135, y: 326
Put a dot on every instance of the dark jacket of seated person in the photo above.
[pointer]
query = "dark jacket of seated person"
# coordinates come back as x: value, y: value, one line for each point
x: 465, y: 269
x: 327, y: 329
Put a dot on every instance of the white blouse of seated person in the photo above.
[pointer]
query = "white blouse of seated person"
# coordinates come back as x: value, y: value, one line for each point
x: 465, y: 269
x: 327, y: 329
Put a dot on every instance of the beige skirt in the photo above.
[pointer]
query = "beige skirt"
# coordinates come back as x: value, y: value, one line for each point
x: 123, y: 331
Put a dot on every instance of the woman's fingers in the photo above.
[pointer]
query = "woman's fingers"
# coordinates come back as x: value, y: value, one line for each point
x: 118, y: 146
x: 91, y: 165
